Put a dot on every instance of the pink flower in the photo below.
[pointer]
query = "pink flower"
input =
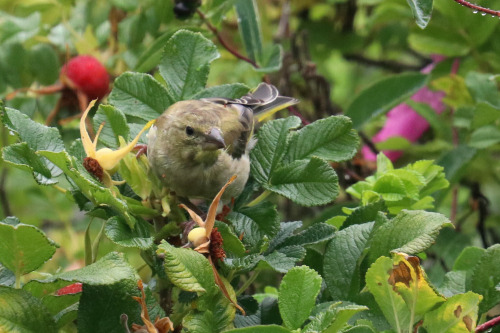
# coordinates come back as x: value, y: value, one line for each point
x: 405, y: 122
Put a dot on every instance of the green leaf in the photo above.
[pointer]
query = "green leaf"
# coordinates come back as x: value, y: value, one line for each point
x: 7, y: 277
x: 483, y: 88
x: 140, y: 96
x: 272, y: 143
x: 297, y: 295
x: 484, y: 137
x: 455, y: 161
x: 260, y: 329
x: 44, y: 63
x: 365, y: 214
x: 383, y: 96
x: 341, y: 261
x: 409, y: 232
x: 37, y: 136
x: 485, y: 277
x: 316, y: 233
x: 402, y: 291
x: 422, y: 10
x: 217, y: 317
x: 333, y: 319
x: 119, y: 232
x: 21, y: 312
x: 19, y: 29
x: 272, y: 59
x: 24, y: 248
x: 458, y: 314
x: 108, y: 270
x: 454, y: 283
x: 152, y: 55
x: 101, y: 306
x: 484, y: 114
x: 186, y: 63
x: 231, y: 91
x: 286, y: 230
x: 255, y: 223
x: 438, y: 38
x: 330, y: 138
x: 187, y: 269
x: 231, y: 242
x: 249, y: 23
x: 307, y: 183
x: 285, y: 258
x: 22, y: 157
x: 115, y: 125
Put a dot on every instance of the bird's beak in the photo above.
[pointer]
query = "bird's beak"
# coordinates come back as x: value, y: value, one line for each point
x: 214, y: 139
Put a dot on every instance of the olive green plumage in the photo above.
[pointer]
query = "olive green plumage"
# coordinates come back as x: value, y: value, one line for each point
x: 197, y: 145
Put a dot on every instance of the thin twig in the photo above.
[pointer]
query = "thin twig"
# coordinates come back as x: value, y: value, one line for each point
x: 394, y: 66
x: 223, y: 42
x: 369, y: 143
x: 487, y: 325
x: 477, y: 8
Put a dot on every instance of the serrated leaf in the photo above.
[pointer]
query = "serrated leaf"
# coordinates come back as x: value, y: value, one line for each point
x: 365, y: 214
x: 249, y: 24
x: 341, y: 260
x: 140, y: 96
x: 485, y: 137
x: 115, y: 125
x: 231, y: 91
x: 24, y: 248
x: 108, y: 270
x: 88, y: 185
x: 284, y: 259
x: 119, y: 232
x: 7, y: 277
x: 268, y: 153
x: 101, y: 306
x: 316, y: 233
x: 455, y: 161
x: 44, y: 63
x: 260, y: 329
x: 330, y: 138
x: 486, y: 276
x: 422, y: 10
x: 24, y: 158
x: 231, y: 241
x: 409, y: 232
x: 186, y: 63
x: 334, y: 319
x: 383, y: 96
x: 286, y: 230
x: 297, y: 295
x: 401, y: 290
x: 307, y: 183
x: 458, y: 314
x: 187, y: 269
x: 21, y: 312
x: 255, y: 223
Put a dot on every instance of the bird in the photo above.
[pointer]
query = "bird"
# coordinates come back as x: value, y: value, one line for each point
x: 196, y: 146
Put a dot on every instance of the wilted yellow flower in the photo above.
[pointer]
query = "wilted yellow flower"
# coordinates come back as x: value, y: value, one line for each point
x: 101, y: 162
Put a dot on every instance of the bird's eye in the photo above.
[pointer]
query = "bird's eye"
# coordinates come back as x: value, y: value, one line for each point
x: 189, y: 130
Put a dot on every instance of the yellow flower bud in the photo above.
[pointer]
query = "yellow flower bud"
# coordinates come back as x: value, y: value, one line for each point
x: 198, y: 236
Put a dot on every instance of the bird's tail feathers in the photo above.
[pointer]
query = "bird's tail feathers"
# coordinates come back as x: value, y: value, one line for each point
x: 264, y: 111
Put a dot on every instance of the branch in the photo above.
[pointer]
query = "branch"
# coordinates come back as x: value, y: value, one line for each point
x: 394, y: 66
x: 477, y: 8
x: 487, y: 325
x: 223, y: 42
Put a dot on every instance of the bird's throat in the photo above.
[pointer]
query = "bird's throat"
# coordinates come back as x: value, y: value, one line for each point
x: 207, y: 157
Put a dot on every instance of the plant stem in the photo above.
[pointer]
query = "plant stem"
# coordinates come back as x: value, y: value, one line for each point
x: 488, y: 325
x: 247, y: 283
x: 478, y: 8
x: 259, y: 199
x: 223, y: 42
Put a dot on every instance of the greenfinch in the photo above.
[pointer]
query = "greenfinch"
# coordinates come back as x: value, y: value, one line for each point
x: 196, y: 146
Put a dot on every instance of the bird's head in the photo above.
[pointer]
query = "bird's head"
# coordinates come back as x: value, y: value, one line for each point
x: 196, y: 129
